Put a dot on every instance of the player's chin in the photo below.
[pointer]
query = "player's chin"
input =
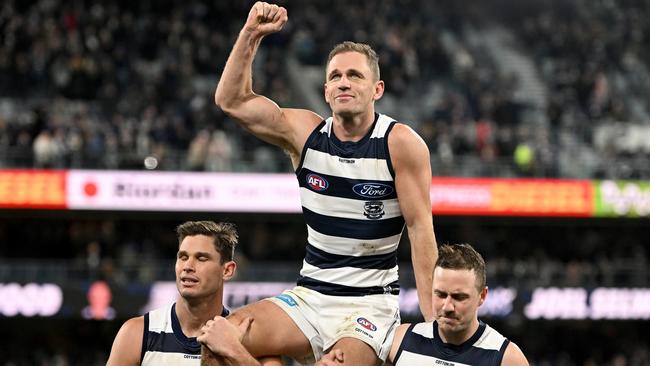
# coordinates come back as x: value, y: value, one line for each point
x: 346, y: 111
x: 447, y: 322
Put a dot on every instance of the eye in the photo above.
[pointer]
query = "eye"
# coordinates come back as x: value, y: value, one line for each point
x: 203, y: 258
x: 335, y: 77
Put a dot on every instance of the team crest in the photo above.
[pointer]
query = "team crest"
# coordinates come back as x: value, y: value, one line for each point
x: 373, y: 210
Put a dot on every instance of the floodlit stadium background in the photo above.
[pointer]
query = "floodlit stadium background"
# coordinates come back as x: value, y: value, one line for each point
x: 536, y: 113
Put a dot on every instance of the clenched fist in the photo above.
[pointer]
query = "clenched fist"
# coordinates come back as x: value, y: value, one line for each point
x: 265, y: 18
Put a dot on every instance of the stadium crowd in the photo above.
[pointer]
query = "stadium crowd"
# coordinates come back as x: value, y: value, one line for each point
x: 94, y: 85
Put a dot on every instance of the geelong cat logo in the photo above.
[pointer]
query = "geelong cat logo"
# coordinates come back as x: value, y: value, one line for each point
x: 366, y: 324
x: 317, y: 183
x: 372, y: 190
x: 373, y: 210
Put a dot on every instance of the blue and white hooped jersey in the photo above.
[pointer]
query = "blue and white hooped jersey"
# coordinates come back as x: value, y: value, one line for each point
x: 164, y: 343
x: 350, y: 205
x: 422, y: 345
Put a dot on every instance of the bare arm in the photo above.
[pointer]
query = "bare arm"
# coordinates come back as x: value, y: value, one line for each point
x: 287, y: 128
x: 514, y: 356
x: 127, y: 345
x: 411, y: 161
x: 222, y: 338
x: 397, y: 341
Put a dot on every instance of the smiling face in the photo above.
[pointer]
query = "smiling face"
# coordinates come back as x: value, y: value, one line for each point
x: 199, y: 271
x: 351, y: 87
x: 456, y: 299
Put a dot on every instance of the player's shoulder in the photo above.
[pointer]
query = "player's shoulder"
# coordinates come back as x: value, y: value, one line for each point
x: 514, y: 356
x: 405, y: 143
x: 301, y: 116
x: 127, y: 345
x: 133, y: 326
x: 403, y: 133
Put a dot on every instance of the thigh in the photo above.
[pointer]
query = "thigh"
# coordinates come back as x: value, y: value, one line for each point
x: 272, y: 332
x: 357, y: 352
x: 369, y: 319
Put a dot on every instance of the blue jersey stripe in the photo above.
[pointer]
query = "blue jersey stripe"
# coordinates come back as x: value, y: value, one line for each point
x: 375, y: 147
x: 351, y: 228
x: 332, y: 289
x: 166, y: 342
x: 174, y: 342
x: 464, y: 353
x: 325, y: 260
x: 358, y: 189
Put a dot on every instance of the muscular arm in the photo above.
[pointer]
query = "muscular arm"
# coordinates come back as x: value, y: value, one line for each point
x: 397, y: 341
x: 127, y: 345
x: 514, y: 356
x: 411, y: 162
x: 222, y: 343
x: 286, y: 128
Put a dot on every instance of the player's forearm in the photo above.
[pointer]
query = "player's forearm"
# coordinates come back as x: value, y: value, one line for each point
x: 236, y: 82
x: 424, y: 254
x: 239, y: 356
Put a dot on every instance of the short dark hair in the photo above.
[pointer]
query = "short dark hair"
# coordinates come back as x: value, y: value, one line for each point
x: 463, y: 256
x: 362, y: 48
x: 224, y: 235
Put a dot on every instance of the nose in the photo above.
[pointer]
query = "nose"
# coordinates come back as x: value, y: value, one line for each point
x: 448, y: 305
x: 188, y: 265
x: 344, y: 83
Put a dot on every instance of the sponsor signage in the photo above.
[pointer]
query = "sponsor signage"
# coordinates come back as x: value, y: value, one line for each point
x: 622, y: 199
x: 511, y: 197
x: 279, y: 193
x: 31, y: 299
x: 101, y: 301
x: 174, y: 191
x: 41, y: 189
x: 579, y: 303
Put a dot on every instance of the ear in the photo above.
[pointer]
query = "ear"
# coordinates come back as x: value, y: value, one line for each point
x: 327, y: 99
x: 483, y: 296
x: 229, y: 269
x: 379, y: 90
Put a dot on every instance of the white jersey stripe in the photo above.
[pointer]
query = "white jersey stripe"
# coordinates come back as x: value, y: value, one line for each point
x: 363, y: 168
x: 490, y: 340
x: 410, y: 359
x: 168, y: 358
x: 344, y: 207
x: 354, y: 247
x: 352, y: 277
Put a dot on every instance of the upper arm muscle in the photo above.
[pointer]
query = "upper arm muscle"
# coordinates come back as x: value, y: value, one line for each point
x: 127, y: 345
x: 283, y: 127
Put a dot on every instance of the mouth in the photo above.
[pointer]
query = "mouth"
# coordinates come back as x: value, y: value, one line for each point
x: 447, y: 319
x: 344, y: 97
x: 189, y: 281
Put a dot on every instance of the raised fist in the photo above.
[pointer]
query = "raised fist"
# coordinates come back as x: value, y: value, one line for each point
x: 265, y: 18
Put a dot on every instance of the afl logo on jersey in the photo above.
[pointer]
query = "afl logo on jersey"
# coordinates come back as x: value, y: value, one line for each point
x: 366, y: 324
x: 317, y: 183
x: 372, y: 190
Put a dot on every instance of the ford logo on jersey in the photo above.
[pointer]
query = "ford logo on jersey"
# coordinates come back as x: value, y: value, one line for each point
x: 372, y: 190
x: 316, y: 182
x: 366, y: 324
